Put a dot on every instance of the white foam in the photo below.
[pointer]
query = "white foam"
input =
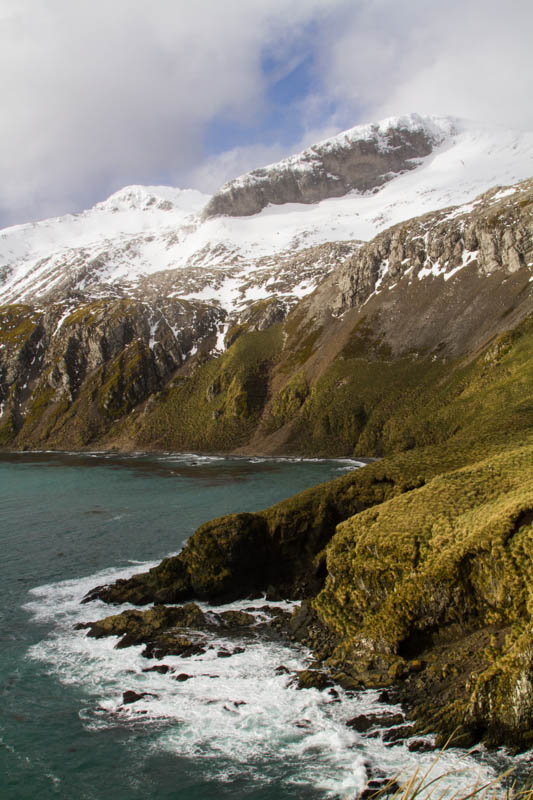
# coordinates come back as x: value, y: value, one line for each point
x: 236, y: 714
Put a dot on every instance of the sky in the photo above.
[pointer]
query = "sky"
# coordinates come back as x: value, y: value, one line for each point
x: 100, y: 94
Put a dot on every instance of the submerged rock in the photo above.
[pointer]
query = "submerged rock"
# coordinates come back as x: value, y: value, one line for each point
x: 379, y: 787
x: 161, y: 668
x: 420, y: 746
x: 398, y: 734
x: 312, y: 679
x: 173, y: 645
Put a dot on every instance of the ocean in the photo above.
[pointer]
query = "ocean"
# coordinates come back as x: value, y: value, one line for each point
x: 237, y: 728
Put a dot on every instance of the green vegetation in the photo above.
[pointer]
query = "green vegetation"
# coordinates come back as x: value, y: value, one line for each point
x: 376, y: 407
x: 444, y: 574
x: 17, y: 323
x: 218, y: 404
x: 419, y: 566
x: 287, y: 402
x: 91, y: 313
x: 8, y: 430
x: 416, y: 570
x: 125, y: 381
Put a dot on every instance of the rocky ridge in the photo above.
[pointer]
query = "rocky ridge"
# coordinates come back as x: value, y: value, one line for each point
x: 149, y: 238
x: 415, y: 571
x: 362, y: 159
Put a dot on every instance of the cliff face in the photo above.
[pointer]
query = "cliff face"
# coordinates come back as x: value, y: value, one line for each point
x: 362, y: 159
x: 66, y: 376
x: 416, y: 569
x: 417, y: 573
x: 493, y: 233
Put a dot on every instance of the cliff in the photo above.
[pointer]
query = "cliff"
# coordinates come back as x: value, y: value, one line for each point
x: 415, y: 570
x: 346, y: 370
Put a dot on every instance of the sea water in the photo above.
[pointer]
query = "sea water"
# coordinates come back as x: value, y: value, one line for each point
x: 237, y: 727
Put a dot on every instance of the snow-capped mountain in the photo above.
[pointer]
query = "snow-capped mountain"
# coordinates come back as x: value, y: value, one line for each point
x: 149, y: 241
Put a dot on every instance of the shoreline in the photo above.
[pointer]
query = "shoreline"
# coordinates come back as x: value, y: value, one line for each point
x: 320, y: 491
x: 360, y: 460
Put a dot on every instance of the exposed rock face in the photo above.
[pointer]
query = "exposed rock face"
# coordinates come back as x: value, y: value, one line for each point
x: 186, y: 631
x: 363, y: 159
x: 418, y: 567
x: 415, y: 571
x: 494, y: 233
x: 420, y: 588
x: 427, y: 589
x: 100, y: 360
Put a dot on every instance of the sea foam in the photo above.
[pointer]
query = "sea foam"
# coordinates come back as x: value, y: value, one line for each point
x: 238, y: 714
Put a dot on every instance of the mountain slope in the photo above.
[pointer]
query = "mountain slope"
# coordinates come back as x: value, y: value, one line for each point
x: 363, y: 158
x: 332, y: 377
x: 130, y: 303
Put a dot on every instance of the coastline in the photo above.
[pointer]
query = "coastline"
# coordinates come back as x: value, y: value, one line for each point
x: 304, y: 628
x: 363, y: 460
x: 290, y: 550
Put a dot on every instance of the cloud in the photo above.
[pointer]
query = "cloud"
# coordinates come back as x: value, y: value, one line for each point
x: 377, y: 58
x: 471, y: 58
x: 480, y: 67
x: 215, y: 170
x: 98, y: 94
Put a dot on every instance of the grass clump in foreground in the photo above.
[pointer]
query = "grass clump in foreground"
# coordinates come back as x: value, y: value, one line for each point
x: 426, y: 785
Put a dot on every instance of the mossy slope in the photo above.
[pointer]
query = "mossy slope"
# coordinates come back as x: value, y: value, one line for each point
x: 416, y: 576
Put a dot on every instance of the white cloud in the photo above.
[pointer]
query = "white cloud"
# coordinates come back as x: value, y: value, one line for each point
x: 481, y: 67
x: 216, y: 170
x: 471, y: 58
x: 212, y: 172
x: 98, y: 94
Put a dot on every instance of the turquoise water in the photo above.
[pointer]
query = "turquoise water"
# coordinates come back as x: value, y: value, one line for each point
x: 69, y: 522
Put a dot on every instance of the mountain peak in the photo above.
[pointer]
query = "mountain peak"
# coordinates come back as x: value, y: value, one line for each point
x: 436, y: 128
x: 157, y: 198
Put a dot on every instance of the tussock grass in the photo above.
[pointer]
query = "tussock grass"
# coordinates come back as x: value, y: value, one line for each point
x: 425, y: 785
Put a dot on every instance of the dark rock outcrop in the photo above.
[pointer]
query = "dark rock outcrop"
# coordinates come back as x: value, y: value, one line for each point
x: 312, y: 679
x: 130, y: 696
x: 68, y: 377
x: 135, y: 374
x: 364, y: 159
x: 365, y: 722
